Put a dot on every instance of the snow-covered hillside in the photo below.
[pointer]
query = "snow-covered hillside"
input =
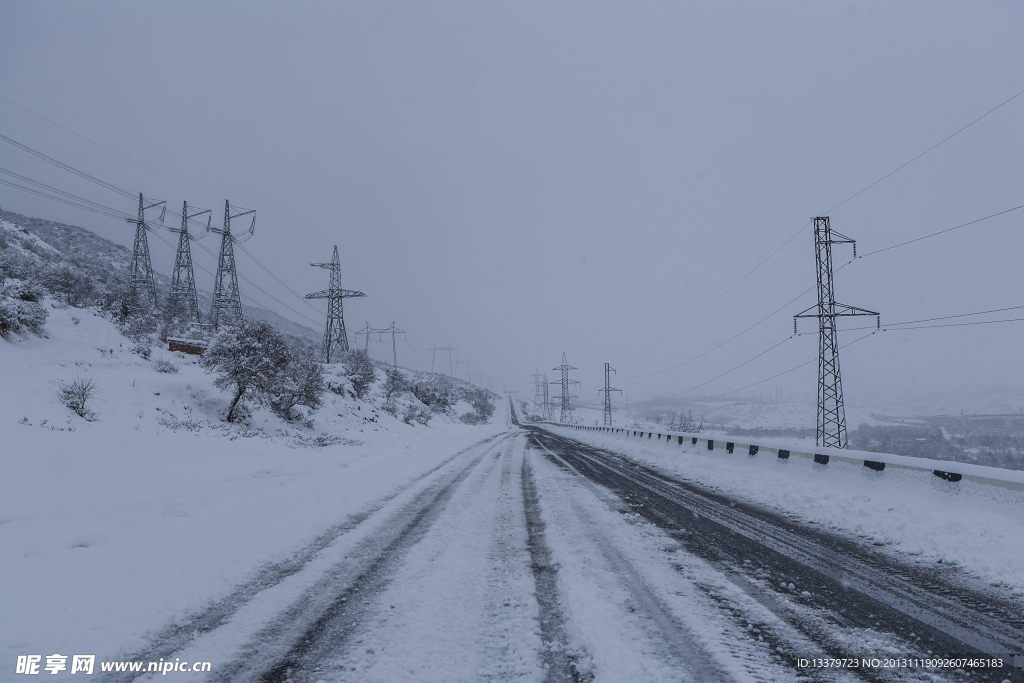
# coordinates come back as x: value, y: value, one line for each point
x: 114, y: 528
x: 102, y: 259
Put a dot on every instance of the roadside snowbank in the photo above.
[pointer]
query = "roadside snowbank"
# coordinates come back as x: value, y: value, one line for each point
x: 911, y: 513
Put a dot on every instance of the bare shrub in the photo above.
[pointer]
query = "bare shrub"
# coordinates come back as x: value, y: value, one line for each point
x: 143, y: 349
x: 165, y: 366
x: 394, y: 384
x: 688, y: 424
x: 76, y: 394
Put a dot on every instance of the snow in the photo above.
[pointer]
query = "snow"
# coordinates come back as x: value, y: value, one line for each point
x: 112, y: 530
x: 632, y: 615
x: 461, y: 606
x: 27, y: 238
x: 910, y: 513
x: 117, y: 532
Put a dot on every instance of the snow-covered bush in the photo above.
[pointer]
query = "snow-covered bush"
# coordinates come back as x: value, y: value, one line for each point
x: 143, y: 349
x: 76, y: 394
x: 437, y: 400
x: 359, y: 371
x: 394, y: 384
x: 248, y: 359
x: 482, y: 407
x: 165, y: 366
x: 300, y: 383
x: 417, y: 413
x: 20, y: 308
x: 16, y: 315
x: 68, y: 284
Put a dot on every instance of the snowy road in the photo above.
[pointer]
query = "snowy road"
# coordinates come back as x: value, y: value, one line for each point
x: 533, y: 557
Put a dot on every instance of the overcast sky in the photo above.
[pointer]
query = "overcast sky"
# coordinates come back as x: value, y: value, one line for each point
x: 526, y: 178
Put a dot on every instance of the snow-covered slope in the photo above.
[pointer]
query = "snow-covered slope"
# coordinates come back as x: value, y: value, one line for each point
x: 100, y: 258
x: 112, y: 529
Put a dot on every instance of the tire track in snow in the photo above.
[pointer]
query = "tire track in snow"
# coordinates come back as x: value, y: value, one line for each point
x: 176, y: 637
x: 459, y: 605
x: 326, y: 616
x: 559, y: 664
x: 620, y: 620
x: 852, y: 594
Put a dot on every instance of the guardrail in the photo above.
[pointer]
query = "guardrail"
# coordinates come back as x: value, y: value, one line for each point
x: 821, y: 456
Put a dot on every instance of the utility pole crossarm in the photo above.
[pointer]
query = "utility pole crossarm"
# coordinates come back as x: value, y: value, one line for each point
x: 327, y: 294
x: 841, y: 311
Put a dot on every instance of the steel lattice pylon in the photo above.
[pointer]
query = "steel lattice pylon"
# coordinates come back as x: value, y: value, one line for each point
x: 566, y: 416
x: 831, y: 428
x: 140, y: 276
x: 538, y: 392
x: 433, y: 351
x: 227, y: 301
x: 183, y: 295
x: 607, y: 391
x: 335, y: 336
x: 547, y: 398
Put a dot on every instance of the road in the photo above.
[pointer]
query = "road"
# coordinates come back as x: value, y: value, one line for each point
x: 533, y: 557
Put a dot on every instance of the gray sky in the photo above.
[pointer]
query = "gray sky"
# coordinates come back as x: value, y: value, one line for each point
x: 522, y: 179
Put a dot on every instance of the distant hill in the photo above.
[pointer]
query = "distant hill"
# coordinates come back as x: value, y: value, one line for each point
x: 100, y: 257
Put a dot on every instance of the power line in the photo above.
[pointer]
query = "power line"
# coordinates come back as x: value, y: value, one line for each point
x: 714, y: 301
x: 804, y: 227
x: 735, y: 336
x: 423, y: 358
x: 898, y: 326
x: 940, y: 142
x: 109, y: 213
x: 921, y: 327
x: 940, y: 232
x: 68, y: 195
x: 279, y: 280
x: 750, y: 360
x: 979, y: 322
x: 796, y: 367
x: 68, y: 168
x: 82, y: 174
x: 805, y: 292
x: 92, y: 142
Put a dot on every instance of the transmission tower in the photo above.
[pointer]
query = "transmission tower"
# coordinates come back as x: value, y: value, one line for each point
x: 393, y: 331
x: 467, y: 363
x: 433, y: 357
x: 140, y: 276
x: 607, y: 391
x: 547, y: 399
x: 831, y: 428
x: 366, y: 338
x: 227, y: 302
x: 566, y: 416
x: 335, y: 337
x: 538, y: 393
x: 183, y: 281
